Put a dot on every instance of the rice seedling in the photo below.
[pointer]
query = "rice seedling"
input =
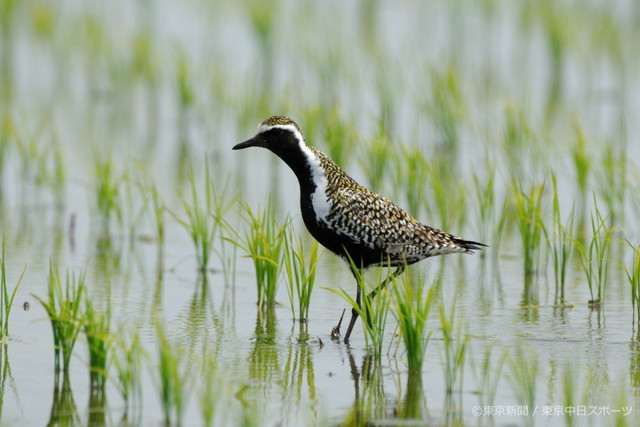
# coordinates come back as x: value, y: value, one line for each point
x: 144, y: 69
x: 49, y: 167
x: 97, y: 329
x: 199, y: 314
x: 614, y: 183
x: 143, y: 64
x: 107, y: 191
x: 595, y: 258
x: 127, y: 361
x: 174, y: 378
x: 333, y: 130
x: 227, y: 254
x: 6, y: 297
x: 59, y: 175
x: 413, y: 405
x: 262, y: 17
x: 485, y: 199
x: 446, y: 108
x: 5, y: 373
x: 376, y: 158
x: 488, y: 374
x: 561, y: 244
x: 581, y: 162
x: 450, y: 196
x: 570, y: 385
x: 411, y: 309
x: 135, y: 205
x: 411, y: 175
x: 524, y: 373
x: 7, y: 130
x: 623, y: 405
x: 159, y: 208
x: 109, y: 256
x: 210, y: 390
x: 528, y: 216
x: 299, y: 376
x: 264, y: 359
x: 41, y: 162
x: 301, y: 275
x: 372, y: 401
x: 186, y: 94
x: 264, y: 243
x: 504, y: 214
x: 372, y: 310
x: 447, y: 196
x: 386, y: 106
x: 633, y: 275
x: 455, y: 348
x: 517, y: 138
x: 8, y: 20
x: 204, y: 218
x: 252, y: 414
x: 634, y: 365
x: 64, y: 411
x: 63, y: 308
x: 559, y: 37
x: 97, y: 407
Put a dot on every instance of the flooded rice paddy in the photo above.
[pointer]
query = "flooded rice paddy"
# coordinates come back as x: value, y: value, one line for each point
x: 133, y: 231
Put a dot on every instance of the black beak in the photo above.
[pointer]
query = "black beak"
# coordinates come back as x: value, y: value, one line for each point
x: 253, y: 142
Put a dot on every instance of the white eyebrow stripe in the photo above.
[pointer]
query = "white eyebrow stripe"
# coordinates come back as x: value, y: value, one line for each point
x: 292, y: 128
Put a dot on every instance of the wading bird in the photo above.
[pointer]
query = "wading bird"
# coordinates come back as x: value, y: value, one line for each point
x: 358, y: 225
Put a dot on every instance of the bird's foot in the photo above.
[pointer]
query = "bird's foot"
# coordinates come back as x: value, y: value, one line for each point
x: 335, y: 332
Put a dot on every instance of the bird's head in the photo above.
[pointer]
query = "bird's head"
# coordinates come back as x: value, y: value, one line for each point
x: 277, y: 133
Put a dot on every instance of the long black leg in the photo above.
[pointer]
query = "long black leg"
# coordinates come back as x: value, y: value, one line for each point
x: 354, y: 315
x: 371, y: 296
x: 335, y: 332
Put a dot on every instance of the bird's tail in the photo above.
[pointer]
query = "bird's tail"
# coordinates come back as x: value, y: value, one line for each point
x: 469, y: 245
